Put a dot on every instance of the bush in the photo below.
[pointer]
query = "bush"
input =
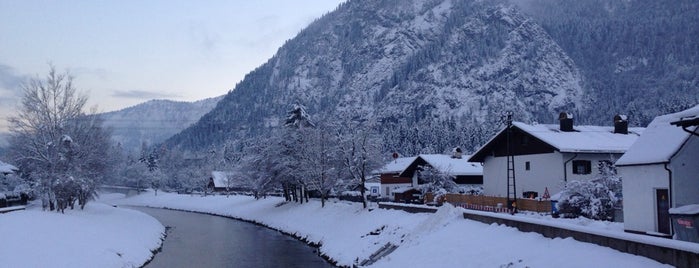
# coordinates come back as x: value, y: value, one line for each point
x: 594, y: 199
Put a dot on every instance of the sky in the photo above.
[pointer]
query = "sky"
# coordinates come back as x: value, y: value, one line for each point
x: 122, y: 53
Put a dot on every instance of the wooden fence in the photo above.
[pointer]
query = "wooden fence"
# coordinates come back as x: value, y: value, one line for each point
x: 491, y: 203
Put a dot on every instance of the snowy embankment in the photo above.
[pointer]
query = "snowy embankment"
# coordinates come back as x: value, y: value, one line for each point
x: 98, y: 236
x: 349, y: 234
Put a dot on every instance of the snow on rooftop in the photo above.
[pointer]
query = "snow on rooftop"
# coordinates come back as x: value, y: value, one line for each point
x: 221, y: 178
x: 660, y: 141
x: 584, y: 139
x: 6, y: 168
x: 397, y: 165
x: 692, y: 209
x: 453, y: 166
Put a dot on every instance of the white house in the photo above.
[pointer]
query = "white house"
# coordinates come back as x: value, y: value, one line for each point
x: 661, y: 171
x: 546, y: 156
x: 389, y: 175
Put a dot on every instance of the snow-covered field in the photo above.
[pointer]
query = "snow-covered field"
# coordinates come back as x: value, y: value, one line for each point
x: 98, y: 236
x: 349, y: 234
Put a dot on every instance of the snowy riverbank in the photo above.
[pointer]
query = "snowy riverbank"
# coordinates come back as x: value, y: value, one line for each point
x: 349, y: 234
x: 98, y: 236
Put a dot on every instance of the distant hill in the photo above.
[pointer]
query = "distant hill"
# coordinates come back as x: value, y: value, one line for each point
x: 154, y: 121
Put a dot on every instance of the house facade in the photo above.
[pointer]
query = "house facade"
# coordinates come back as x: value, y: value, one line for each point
x: 661, y: 171
x: 464, y: 173
x: 547, y: 156
x: 390, y: 178
x: 402, y: 174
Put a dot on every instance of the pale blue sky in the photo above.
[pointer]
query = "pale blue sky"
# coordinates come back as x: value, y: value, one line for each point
x: 125, y: 52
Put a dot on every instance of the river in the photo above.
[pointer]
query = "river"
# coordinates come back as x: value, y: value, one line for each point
x: 200, y: 240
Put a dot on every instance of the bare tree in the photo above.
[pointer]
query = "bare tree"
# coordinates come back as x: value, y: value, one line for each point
x: 359, y: 152
x: 55, y: 144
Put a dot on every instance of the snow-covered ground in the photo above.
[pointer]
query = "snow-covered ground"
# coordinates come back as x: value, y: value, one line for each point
x: 350, y: 234
x: 98, y: 236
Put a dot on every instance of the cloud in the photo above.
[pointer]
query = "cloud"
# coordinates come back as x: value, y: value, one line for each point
x: 9, y: 80
x: 100, y: 73
x: 142, y: 94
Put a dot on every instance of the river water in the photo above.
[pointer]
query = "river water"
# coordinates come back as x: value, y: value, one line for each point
x: 200, y: 240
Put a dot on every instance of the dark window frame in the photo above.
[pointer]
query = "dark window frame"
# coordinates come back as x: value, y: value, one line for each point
x: 527, y: 165
x: 582, y: 167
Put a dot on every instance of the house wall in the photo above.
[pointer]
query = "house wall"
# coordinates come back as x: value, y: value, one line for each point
x: 593, y: 158
x: 545, y: 171
x: 386, y: 189
x: 638, y: 188
x: 685, y: 174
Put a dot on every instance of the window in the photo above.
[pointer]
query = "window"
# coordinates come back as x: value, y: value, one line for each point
x: 582, y: 167
x: 527, y: 166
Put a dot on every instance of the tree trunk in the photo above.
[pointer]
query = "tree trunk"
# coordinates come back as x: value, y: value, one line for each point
x: 363, y: 191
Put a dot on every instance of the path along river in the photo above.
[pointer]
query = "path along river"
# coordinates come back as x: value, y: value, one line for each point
x: 200, y: 240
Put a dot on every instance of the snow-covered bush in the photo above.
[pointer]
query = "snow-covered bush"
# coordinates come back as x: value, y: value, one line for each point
x: 595, y: 199
x: 436, y: 182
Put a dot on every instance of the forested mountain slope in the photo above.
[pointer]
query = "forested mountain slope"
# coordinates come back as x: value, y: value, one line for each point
x: 639, y: 57
x: 414, y: 65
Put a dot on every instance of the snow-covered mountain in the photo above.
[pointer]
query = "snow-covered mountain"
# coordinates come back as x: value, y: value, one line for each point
x: 403, y: 61
x: 154, y: 121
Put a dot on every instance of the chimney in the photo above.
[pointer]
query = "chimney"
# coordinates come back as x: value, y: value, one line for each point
x: 566, y: 121
x: 456, y: 153
x: 621, y: 124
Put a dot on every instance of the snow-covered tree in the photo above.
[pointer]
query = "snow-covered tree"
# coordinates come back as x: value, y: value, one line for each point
x: 297, y: 117
x: 54, y: 141
x: 595, y: 199
x: 319, y: 158
x: 359, y: 152
x: 436, y: 181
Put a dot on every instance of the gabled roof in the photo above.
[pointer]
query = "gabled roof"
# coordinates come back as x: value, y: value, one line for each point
x: 6, y: 168
x: 452, y: 166
x: 583, y: 139
x: 220, y: 179
x: 396, y: 166
x: 660, y: 141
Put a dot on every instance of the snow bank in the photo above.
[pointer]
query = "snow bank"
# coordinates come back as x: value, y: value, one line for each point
x: 350, y: 234
x: 98, y: 236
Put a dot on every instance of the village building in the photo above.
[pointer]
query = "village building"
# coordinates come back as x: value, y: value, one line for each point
x: 221, y: 182
x: 389, y: 176
x: 661, y: 171
x: 400, y: 178
x: 546, y: 156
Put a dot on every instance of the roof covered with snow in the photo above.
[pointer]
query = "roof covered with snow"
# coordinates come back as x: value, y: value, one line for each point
x: 660, y: 141
x: 396, y: 166
x: 453, y: 166
x: 6, y: 168
x: 220, y: 179
x: 583, y: 139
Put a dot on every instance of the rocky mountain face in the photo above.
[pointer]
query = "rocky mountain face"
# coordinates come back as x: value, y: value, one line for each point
x: 403, y: 62
x: 154, y: 121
